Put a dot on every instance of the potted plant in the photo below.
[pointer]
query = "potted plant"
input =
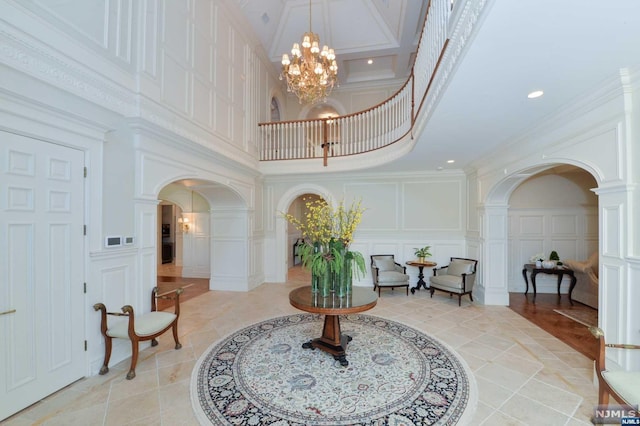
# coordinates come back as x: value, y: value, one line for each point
x: 422, y: 253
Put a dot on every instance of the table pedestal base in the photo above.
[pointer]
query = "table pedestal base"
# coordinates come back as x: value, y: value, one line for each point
x: 332, y: 340
x: 421, y: 282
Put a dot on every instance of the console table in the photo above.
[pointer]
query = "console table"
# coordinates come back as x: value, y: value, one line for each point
x: 420, y: 266
x: 332, y: 339
x: 559, y: 271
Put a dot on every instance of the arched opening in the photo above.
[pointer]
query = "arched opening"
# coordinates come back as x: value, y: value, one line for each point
x: 293, y: 203
x: 550, y: 208
x: 297, y: 209
x: 183, y: 240
x: 205, y: 224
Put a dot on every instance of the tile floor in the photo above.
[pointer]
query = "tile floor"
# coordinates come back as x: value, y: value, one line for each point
x: 524, y: 375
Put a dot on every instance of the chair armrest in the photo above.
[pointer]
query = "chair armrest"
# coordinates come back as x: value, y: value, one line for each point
x: 400, y: 268
x: 468, y: 280
x: 167, y: 295
x: 374, y: 273
x: 440, y: 271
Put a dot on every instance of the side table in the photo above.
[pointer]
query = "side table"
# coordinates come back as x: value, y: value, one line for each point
x: 560, y: 272
x: 332, y: 340
x: 420, y: 266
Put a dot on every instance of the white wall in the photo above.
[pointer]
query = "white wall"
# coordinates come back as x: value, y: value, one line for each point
x: 597, y: 134
x: 403, y: 211
x: 551, y: 211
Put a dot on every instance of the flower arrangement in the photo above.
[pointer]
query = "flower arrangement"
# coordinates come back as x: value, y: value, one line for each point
x: 539, y: 257
x: 328, y: 233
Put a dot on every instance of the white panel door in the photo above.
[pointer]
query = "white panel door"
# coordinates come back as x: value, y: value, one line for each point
x: 41, y: 270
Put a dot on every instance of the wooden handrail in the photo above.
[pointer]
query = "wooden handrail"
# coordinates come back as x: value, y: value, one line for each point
x: 373, y: 128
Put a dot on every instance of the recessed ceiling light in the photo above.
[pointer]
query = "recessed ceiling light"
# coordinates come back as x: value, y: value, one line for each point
x: 451, y: 161
x: 370, y: 61
x: 535, y: 94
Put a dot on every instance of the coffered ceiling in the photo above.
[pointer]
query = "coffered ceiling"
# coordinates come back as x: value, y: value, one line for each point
x: 570, y: 49
x: 385, y: 31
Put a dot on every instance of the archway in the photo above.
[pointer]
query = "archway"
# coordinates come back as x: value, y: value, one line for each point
x: 283, y: 248
x: 494, y: 216
x: 211, y: 230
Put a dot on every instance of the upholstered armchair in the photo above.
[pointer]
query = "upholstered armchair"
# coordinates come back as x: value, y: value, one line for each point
x: 458, y: 277
x: 386, y: 272
x: 586, y: 273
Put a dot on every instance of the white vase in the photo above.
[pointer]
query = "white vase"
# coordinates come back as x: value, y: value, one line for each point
x: 549, y: 264
x: 538, y: 263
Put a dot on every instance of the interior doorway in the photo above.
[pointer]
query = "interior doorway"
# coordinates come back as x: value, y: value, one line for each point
x: 183, y: 218
x: 554, y: 210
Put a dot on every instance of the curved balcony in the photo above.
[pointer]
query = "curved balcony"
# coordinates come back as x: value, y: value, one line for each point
x: 366, y: 133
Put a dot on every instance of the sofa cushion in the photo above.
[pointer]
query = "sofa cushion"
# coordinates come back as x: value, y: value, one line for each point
x: 459, y: 267
x: 388, y: 277
x: 385, y: 265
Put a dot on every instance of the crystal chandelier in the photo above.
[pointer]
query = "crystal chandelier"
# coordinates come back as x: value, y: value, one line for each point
x: 311, y: 73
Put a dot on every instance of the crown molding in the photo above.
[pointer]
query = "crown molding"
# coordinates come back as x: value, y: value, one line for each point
x: 30, y: 57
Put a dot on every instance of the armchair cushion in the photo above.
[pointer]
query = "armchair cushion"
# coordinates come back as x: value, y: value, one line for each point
x: 386, y: 277
x: 459, y: 267
x: 447, y: 282
x: 385, y: 265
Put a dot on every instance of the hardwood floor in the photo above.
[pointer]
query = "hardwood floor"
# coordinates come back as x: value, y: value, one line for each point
x: 170, y: 277
x: 542, y: 314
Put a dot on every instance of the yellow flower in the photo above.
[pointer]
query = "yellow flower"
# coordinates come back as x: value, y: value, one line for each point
x: 322, y: 223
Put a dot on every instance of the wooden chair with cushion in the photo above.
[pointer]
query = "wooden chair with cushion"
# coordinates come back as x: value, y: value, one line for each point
x: 623, y: 386
x: 386, y: 272
x: 457, y: 277
x: 139, y: 328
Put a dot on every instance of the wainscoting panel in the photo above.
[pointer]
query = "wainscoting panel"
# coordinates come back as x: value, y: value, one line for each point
x: 530, y: 224
x: 382, y: 201
x: 568, y: 231
x: 613, y: 307
x: 611, y: 220
x: 564, y: 224
x: 432, y: 205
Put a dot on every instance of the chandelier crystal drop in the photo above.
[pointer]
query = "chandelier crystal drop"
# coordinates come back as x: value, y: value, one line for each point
x: 311, y: 72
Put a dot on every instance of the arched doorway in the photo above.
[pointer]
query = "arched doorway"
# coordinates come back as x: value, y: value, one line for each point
x: 183, y: 240
x: 284, y: 239
x: 297, y: 209
x: 208, y: 224
x: 555, y: 211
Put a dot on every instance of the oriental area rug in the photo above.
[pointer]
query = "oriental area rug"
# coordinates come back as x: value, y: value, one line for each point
x: 396, y: 375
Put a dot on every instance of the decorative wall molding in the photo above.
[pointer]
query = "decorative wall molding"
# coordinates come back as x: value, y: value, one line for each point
x: 33, y: 59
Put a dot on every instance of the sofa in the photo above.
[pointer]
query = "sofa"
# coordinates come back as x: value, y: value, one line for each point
x: 586, y: 272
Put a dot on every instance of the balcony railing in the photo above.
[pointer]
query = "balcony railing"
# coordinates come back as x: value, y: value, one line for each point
x: 371, y: 129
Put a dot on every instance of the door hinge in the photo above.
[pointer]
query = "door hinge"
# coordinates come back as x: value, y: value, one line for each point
x: 85, y: 345
x: 84, y: 229
x: 85, y: 172
x: 85, y: 288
